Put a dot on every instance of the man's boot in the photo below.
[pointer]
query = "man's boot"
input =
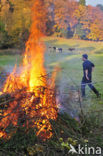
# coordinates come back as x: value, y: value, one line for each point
x: 96, y: 92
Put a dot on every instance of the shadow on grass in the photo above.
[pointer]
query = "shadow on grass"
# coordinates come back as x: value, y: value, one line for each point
x: 99, y: 51
x: 10, y: 52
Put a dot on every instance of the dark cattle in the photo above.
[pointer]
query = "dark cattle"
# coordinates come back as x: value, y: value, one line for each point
x: 71, y: 49
x: 50, y: 49
x: 60, y: 50
x: 54, y: 48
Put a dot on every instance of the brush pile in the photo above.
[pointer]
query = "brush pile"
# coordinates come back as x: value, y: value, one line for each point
x: 28, y: 109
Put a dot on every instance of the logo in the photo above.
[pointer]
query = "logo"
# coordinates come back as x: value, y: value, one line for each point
x: 72, y: 150
x: 85, y: 150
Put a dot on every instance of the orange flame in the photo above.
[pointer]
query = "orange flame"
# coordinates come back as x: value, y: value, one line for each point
x: 34, y: 97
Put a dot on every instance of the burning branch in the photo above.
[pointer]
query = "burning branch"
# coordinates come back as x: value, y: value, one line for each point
x: 33, y: 100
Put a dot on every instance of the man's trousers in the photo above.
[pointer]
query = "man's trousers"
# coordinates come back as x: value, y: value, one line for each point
x: 83, y: 85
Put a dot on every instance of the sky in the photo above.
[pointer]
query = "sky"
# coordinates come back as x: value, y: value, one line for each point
x: 94, y: 2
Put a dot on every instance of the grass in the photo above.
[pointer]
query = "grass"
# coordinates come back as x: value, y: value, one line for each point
x: 71, y: 67
x: 10, y: 57
x: 9, y: 60
x: 66, y: 129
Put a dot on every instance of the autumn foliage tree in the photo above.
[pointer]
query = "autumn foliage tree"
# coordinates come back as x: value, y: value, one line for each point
x: 82, y: 2
x: 15, y: 16
x: 93, y: 23
x: 90, y: 20
x: 65, y: 18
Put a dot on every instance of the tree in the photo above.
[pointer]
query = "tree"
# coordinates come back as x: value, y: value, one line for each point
x: 94, y: 23
x: 100, y: 6
x: 64, y: 19
x: 80, y: 13
x: 82, y: 2
x: 16, y: 18
x: 96, y: 31
x: 4, y: 37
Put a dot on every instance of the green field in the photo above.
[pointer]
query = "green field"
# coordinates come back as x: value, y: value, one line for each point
x: 70, y: 74
x: 69, y: 78
x: 66, y: 130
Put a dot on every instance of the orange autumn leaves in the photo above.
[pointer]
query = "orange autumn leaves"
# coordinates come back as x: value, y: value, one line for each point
x: 71, y: 14
x: 60, y: 14
x: 91, y: 19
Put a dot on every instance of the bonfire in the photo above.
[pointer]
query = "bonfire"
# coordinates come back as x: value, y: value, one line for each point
x: 30, y: 99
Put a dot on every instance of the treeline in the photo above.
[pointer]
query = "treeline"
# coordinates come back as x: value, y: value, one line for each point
x: 65, y: 18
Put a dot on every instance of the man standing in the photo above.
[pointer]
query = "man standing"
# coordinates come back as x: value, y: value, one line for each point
x: 87, y: 76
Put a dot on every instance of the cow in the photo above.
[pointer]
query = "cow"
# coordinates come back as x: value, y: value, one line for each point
x: 71, y: 49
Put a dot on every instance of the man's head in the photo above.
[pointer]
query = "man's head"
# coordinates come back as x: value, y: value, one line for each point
x: 84, y: 57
